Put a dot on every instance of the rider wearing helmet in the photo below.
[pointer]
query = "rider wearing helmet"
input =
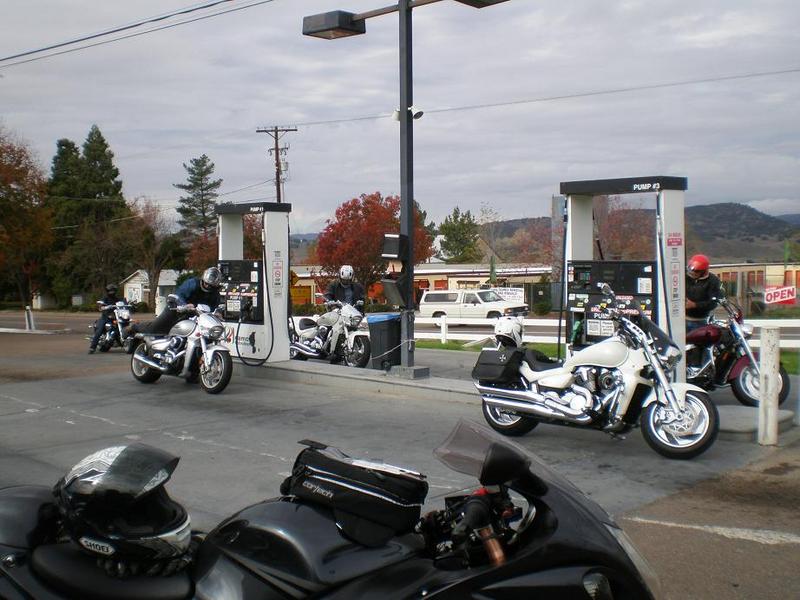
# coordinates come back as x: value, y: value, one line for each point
x: 345, y: 289
x: 193, y: 291
x: 113, y: 505
x: 109, y: 299
x: 702, y: 287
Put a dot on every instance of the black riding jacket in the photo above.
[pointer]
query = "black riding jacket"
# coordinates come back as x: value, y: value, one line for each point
x: 701, y: 292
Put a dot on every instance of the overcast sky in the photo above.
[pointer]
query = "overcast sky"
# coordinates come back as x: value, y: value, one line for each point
x: 166, y: 97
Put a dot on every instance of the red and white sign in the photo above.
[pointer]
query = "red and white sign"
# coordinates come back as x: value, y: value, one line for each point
x: 782, y: 295
x: 674, y: 239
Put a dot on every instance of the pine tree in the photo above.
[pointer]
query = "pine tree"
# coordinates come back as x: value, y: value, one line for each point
x: 65, y: 175
x: 460, y: 237
x: 197, y: 207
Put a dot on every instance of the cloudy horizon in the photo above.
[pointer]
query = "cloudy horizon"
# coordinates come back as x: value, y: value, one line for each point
x: 539, y: 71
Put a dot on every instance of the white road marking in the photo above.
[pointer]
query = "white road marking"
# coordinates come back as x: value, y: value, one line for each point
x: 760, y: 536
x: 21, y: 401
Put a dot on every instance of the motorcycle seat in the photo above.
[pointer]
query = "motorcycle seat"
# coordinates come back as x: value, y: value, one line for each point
x: 72, y: 573
x: 539, y: 361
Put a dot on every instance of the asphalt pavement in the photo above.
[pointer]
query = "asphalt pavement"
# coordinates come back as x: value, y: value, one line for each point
x: 721, y: 526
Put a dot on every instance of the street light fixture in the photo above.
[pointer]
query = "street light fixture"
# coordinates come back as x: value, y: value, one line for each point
x: 336, y: 24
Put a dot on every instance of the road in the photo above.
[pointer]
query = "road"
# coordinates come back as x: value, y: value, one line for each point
x: 721, y: 526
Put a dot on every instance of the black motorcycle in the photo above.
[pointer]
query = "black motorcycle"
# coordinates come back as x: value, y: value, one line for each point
x: 117, y: 332
x: 347, y: 529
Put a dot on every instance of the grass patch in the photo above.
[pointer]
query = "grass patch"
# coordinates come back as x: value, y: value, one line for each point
x: 791, y: 361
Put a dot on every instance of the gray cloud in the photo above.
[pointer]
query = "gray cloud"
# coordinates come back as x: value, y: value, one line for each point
x: 164, y: 98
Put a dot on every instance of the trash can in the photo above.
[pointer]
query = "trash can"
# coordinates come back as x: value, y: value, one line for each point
x: 384, y: 339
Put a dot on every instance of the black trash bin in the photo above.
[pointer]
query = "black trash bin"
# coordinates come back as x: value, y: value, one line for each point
x: 384, y: 339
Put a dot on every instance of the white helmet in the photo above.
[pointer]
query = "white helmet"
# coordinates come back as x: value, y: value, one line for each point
x: 508, y: 331
x: 346, y: 274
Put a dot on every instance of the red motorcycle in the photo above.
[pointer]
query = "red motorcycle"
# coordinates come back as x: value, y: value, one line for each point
x: 718, y: 355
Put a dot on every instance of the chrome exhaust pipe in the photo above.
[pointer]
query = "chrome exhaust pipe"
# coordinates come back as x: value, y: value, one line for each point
x: 305, y: 351
x: 531, y: 403
x: 150, y: 363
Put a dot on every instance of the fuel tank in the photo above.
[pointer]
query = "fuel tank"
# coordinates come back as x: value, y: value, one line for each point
x: 608, y: 353
x: 184, y: 327
x: 707, y: 335
x: 295, y: 549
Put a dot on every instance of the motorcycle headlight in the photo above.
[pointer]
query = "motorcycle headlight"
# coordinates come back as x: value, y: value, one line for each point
x: 216, y: 332
x: 355, y: 320
x: 645, y: 570
x: 747, y: 329
x: 124, y: 314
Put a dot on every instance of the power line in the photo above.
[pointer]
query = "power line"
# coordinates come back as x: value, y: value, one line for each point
x: 118, y: 29
x: 132, y: 35
x: 564, y: 96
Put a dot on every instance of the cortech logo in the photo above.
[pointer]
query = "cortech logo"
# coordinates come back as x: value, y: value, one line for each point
x: 501, y: 358
x: 318, y: 490
x: 95, y: 546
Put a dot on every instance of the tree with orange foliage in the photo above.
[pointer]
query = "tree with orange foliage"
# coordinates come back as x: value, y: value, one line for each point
x: 355, y: 236
x: 624, y: 232
x: 25, y: 229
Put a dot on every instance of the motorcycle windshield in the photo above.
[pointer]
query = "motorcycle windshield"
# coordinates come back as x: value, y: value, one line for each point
x: 662, y: 341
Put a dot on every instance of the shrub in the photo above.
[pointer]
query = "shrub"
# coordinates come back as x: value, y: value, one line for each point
x: 542, y: 308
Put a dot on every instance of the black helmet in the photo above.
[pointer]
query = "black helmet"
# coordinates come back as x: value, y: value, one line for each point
x: 111, y: 288
x: 114, y: 506
x: 211, y: 278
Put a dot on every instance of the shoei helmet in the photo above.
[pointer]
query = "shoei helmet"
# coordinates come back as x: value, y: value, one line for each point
x: 211, y: 278
x: 508, y: 331
x: 111, y: 288
x: 697, y: 267
x: 346, y: 274
x: 114, y: 505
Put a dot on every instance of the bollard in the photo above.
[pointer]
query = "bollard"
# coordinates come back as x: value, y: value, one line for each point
x: 443, y: 326
x: 796, y: 420
x: 29, y: 324
x: 769, y: 359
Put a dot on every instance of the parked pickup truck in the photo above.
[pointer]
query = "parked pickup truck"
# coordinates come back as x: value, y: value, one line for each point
x: 476, y: 304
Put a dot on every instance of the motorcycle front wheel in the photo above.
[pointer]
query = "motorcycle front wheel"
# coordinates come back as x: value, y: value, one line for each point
x: 360, y: 353
x: 745, y: 386
x: 141, y: 372
x: 685, y: 437
x: 215, y: 376
x: 507, y: 423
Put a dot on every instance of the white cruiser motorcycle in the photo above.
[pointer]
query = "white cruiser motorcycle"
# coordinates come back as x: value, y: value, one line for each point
x: 340, y: 333
x: 191, y: 350
x: 610, y: 386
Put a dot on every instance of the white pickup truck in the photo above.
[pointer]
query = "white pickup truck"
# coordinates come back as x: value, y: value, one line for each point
x: 476, y: 304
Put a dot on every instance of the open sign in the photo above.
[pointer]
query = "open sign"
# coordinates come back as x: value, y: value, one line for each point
x: 783, y: 295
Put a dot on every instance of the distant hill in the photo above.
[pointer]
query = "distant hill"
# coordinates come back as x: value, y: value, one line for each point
x: 794, y: 219
x: 726, y: 232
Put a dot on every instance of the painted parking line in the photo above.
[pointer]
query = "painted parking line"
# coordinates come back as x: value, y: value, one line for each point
x: 760, y: 536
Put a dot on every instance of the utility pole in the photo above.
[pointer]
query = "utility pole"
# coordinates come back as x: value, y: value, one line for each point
x: 276, y: 133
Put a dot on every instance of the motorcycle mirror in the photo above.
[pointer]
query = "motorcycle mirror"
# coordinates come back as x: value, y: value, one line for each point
x: 359, y: 303
x: 605, y: 289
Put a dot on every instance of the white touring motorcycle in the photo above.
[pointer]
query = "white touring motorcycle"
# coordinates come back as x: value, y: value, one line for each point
x: 336, y: 335
x: 191, y: 350
x: 610, y: 386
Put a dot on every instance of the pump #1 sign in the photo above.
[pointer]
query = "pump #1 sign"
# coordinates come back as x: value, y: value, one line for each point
x: 782, y: 295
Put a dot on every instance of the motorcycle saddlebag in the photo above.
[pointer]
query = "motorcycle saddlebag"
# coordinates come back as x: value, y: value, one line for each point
x: 498, y: 366
x: 371, y: 501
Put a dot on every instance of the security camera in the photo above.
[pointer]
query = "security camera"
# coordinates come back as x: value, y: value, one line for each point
x: 416, y: 113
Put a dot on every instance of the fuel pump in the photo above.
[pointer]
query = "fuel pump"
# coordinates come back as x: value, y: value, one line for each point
x: 658, y: 287
x: 255, y: 292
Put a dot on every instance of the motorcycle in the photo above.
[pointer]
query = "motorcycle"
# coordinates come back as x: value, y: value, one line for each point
x: 718, y: 355
x: 610, y: 386
x: 339, y: 334
x: 526, y: 532
x: 117, y: 332
x: 191, y: 350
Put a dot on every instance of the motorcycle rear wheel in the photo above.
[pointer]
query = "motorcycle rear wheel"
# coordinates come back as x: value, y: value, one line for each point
x: 678, y: 440
x: 216, y: 376
x: 745, y: 386
x: 359, y: 356
x: 507, y: 423
x: 141, y: 372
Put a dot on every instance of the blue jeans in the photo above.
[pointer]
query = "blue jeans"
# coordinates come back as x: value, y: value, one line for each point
x: 692, y: 325
x: 99, y: 328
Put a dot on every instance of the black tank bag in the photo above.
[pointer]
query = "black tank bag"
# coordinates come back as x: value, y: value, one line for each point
x: 372, y: 502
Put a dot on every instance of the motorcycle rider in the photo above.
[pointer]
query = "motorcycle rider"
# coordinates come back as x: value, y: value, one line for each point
x: 345, y: 288
x: 105, y: 316
x: 702, y: 286
x: 193, y: 291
